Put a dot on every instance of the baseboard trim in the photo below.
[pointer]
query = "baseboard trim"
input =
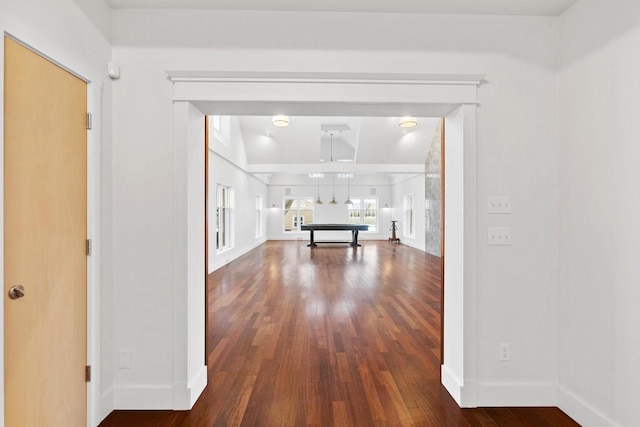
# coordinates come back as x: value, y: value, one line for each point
x: 582, y: 412
x: 143, y: 397
x: 197, y: 385
x: 516, y: 394
x: 451, y: 383
x: 232, y: 255
x: 106, y: 405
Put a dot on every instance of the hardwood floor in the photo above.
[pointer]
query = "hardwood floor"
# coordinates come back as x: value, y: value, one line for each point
x: 332, y: 336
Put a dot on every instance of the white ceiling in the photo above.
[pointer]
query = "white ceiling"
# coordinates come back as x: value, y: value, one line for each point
x: 472, y: 7
x: 369, y: 144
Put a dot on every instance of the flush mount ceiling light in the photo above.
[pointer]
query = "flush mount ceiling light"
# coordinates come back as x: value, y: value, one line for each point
x: 407, y: 122
x: 280, y: 121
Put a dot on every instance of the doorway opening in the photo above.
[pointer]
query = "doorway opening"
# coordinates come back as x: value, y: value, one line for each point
x: 211, y: 94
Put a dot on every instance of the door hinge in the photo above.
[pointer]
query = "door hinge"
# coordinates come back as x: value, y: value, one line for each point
x: 89, y: 247
x: 89, y: 117
x: 87, y: 373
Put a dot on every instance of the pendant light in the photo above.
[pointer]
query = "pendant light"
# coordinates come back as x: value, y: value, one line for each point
x: 318, y: 201
x: 331, y: 159
x: 349, y: 201
x: 333, y: 197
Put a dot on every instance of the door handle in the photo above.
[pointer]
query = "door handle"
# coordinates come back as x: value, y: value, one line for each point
x: 16, y: 291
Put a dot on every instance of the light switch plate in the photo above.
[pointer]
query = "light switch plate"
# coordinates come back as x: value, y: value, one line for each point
x: 499, y: 204
x: 499, y: 236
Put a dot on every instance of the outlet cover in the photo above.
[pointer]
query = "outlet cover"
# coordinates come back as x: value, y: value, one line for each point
x: 124, y: 359
x: 499, y: 236
x: 499, y: 204
x: 505, y: 352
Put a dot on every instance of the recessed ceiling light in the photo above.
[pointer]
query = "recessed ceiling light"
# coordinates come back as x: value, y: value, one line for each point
x: 408, y: 122
x: 280, y: 121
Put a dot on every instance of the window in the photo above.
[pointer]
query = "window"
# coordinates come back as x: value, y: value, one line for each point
x: 223, y: 218
x: 297, y: 211
x: 408, y: 229
x: 364, y: 211
x: 258, y: 215
x: 220, y: 128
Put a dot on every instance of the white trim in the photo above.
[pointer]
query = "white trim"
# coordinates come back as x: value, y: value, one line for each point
x: 143, y: 397
x: 297, y: 77
x: 516, y: 394
x: 451, y: 383
x: 197, y: 385
x: 107, y: 404
x: 331, y: 94
x: 221, y: 263
x: 581, y: 411
x: 470, y: 255
x: 186, y: 394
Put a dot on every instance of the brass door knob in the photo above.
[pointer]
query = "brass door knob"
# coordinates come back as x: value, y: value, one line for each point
x: 16, y: 291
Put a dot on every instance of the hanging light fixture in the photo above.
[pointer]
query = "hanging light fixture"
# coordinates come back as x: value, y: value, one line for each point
x: 349, y: 201
x: 331, y: 147
x: 407, y: 122
x: 318, y: 201
x: 333, y: 197
x: 280, y: 121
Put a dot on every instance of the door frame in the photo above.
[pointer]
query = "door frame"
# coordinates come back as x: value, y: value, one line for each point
x: 94, y: 137
x: 264, y: 93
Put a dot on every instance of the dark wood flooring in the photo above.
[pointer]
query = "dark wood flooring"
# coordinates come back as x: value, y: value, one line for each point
x: 332, y: 336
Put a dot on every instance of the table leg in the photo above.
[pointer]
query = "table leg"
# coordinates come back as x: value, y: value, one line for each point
x: 311, y: 244
x: 354, y: 238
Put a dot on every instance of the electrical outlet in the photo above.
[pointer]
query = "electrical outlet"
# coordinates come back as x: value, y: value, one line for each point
x: 505, y: 352
x: 499, y: 236
x: 499, y: 204
x: 124, y: 359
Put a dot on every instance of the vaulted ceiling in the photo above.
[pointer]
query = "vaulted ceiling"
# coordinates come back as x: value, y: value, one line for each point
x: 471, y: 7
x: 361, y: 145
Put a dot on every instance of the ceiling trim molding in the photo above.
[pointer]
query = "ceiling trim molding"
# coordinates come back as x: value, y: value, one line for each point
x: 328, y: 77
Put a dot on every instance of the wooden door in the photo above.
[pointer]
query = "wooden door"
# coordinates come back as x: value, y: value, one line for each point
x: 45, y: 223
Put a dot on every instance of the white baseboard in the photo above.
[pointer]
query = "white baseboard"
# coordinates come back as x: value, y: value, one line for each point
x: 452, y: 384
x: 185, y: 395
x: 233, y: 254
x: 407, y: 242
x: 516, y: 394
x: 141, y: 397
x: 180, y: 397
x: 197, y: 385
x: 106, y: 405
x: 582, y: 412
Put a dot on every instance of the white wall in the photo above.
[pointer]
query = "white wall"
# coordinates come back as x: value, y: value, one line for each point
x: 415, y: 186
x: 301, y: 186
x: 227, y: 163
x: 599, y: 296
x: 77, y: 35
x: 516, y: 153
